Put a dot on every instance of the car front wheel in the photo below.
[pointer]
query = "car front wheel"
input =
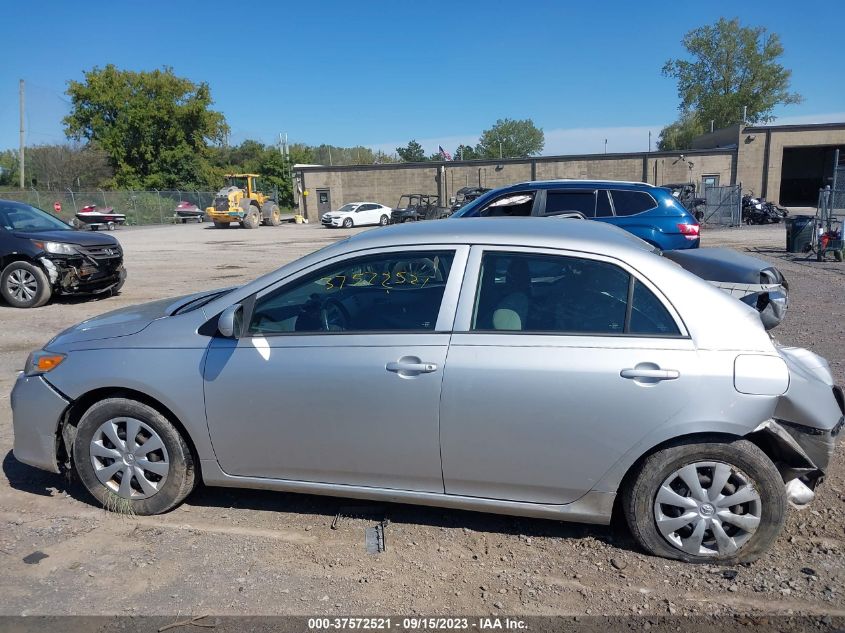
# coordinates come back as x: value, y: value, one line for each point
x: 25, y: 285
x: 347, y: 223
x: 131, y: 458
x: 706, y: 502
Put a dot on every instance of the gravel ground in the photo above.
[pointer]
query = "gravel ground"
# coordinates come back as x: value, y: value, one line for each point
x: 252, y: 552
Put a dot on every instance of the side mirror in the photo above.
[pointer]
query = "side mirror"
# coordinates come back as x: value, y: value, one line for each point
x: 229, y: 321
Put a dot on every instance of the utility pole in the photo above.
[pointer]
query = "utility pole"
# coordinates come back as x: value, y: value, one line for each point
x: 649, y: 141
x: 21, y: 150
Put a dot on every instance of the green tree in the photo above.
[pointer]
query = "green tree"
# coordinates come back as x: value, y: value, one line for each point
x: 679, y: 135
x: 413, y: 152
x: 9, y: 174
x: 154, y: 126
x: 730, y: 67
x: 511, y: 138
x: 465, y: 152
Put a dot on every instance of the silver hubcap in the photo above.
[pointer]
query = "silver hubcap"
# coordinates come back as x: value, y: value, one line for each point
x: 129, y: 458
x: 707, y: 509
x: 22, y: 284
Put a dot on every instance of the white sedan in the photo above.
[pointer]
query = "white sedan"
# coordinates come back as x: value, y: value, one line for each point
x: 357, y: 214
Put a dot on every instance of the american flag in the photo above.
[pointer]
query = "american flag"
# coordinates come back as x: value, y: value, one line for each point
x: 446, y: 155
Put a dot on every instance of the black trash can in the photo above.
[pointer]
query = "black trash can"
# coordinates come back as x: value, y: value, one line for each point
x: 799, y: 233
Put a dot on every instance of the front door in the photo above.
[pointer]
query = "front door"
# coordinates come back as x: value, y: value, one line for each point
x: 552, y: 378
x: 324, y: 201
x: 337, y: 377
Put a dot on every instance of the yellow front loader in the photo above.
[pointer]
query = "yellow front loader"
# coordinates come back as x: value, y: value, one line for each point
x: 239, y: 201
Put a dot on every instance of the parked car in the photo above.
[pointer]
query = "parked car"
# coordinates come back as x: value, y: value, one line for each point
x: 357, y: 214
x: 418, y: 206
x: 533, y: 367
x: 651, y: 213
x: 40, y: 255
x: 465, y: 195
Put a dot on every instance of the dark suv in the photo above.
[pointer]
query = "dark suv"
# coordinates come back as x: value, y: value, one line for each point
x: 41, y: 255
x: 651, y: 213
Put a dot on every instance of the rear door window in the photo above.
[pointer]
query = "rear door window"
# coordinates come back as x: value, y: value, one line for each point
x: 631, y: 202
x: 580, y: 201
x: 554, y: 294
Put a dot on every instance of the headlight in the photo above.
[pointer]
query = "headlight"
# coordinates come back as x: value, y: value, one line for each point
x: 57, y: 248
x: 41, y: 362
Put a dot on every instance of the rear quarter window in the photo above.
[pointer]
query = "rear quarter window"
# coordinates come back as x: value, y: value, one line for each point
x: 631, y: 202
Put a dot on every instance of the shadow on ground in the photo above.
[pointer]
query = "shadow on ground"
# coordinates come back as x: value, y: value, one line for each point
x: 32, y: 480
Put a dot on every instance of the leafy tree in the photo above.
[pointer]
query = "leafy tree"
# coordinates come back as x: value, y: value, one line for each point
x: 9, y: 174
x: 413, y: 152
x: 63, y: 166
x: 510, y: 138
x: 154, y: 126
x: 679, y: 135
x: 731, y: 67
x: 465, y: 152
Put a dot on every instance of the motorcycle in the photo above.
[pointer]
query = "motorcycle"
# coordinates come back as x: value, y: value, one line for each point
x: 761, y: 211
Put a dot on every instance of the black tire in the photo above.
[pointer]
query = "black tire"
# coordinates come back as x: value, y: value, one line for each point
x: 384, y: 220
x: 181, y: 475
x: 348, y: 223
x: 274, y: 218
x: 221, y: 225
x: 837, y: 255
x: 638, y: 496
x: 252, y: 218
x: 23, y: 270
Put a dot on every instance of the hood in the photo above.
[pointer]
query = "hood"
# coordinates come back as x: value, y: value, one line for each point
x: 82, y: 238
x: 125, y: 321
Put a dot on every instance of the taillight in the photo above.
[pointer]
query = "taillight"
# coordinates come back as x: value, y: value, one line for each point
x: 689, y: 231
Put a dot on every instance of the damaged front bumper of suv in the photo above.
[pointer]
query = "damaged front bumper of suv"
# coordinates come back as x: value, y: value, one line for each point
x: 90, y: 270
x: 806, y: 425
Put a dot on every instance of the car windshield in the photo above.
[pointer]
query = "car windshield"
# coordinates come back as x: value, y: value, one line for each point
x: 347, y: 208
x: 16, y: 216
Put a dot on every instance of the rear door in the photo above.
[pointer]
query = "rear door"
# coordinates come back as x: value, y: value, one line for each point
x: 551, y: 377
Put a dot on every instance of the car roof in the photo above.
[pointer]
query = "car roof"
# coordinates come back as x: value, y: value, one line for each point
x: 552, y: 232
x: 577, y: 184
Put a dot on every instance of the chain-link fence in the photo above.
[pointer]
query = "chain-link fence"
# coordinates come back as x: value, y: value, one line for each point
x: 140, y: 207
x: 837, y: 190
x: 723, y: 205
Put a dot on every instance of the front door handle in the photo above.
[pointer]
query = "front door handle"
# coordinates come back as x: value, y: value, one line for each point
x: 651, y: 375
x: 411, y: 367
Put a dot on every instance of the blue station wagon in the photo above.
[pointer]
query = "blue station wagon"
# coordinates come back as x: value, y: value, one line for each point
x: 651, y: 213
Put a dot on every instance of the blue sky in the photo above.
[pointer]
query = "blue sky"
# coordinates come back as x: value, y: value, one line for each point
x: 381, y: 73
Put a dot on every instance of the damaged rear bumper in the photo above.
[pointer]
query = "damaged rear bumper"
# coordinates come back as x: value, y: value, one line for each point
x: 806, y: 424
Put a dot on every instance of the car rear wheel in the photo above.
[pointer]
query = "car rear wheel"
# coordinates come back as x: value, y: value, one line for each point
x: 384, y: 220
x: 706, y: 502
x: 347, y: 223
x: 25, y: 285
x: 131, y: 458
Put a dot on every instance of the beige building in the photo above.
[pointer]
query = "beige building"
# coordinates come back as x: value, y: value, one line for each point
x: 786, y: 164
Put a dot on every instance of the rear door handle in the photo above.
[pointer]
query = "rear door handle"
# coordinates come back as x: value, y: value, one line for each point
x: 420, y: 368
x: 650, y: 374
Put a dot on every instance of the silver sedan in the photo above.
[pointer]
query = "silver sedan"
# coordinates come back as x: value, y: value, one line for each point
x: 542, y: 368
